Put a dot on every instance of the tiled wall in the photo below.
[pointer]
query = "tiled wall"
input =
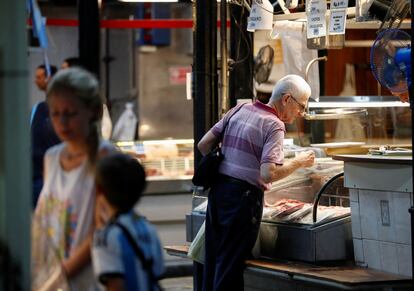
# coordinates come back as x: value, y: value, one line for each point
x: 381, y: 230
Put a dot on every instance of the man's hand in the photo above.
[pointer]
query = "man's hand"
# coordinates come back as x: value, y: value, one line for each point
x: 306, y: 159
x: 271, y: 172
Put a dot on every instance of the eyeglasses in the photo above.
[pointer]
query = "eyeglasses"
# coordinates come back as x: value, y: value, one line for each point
x: 301, y: 106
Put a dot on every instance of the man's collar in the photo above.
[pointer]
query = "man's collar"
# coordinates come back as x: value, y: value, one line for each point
x: 266, y: 107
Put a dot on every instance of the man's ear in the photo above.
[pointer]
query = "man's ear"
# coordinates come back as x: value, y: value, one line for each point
x: 285, y: 99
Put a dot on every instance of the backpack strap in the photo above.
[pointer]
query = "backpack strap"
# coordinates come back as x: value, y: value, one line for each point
x: 146, y: 264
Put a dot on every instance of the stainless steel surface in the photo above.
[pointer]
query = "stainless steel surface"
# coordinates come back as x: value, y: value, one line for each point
x: 356, y: 99
x: 169, y: 186
x: 326, y: 242
x: 335, y: 113
x: 356, y: 102
x: 308, y: 66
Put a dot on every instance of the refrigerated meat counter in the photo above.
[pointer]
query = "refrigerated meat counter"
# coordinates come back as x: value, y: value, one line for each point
x: 306, y: 216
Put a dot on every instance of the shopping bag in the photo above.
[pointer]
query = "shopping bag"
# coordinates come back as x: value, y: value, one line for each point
x: 56, y: 281
x: 207, y: 169
x: 196, y: 250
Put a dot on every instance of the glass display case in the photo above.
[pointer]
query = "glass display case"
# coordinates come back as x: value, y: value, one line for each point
x: 169, y: 165
x: 306, y: 216
x: 370, y: 119
x: 163, y: 159
x: 354, y: 124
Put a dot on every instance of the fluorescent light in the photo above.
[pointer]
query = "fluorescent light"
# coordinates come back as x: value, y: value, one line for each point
x: 357, y: 104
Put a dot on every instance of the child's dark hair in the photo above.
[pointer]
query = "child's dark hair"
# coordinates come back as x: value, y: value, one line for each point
x: 121, y: 178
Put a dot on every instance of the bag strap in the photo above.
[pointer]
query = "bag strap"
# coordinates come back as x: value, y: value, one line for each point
x: 146, y: 264
x: 228, y: 121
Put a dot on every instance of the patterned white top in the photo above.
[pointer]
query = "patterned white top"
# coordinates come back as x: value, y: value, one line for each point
x: 63, y: 217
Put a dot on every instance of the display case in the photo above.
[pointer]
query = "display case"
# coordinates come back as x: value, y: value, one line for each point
x: 163, y: 159
x: 169, y: 163
x: 358, y: 123
x: 306, y: 216
x: 169, y: 167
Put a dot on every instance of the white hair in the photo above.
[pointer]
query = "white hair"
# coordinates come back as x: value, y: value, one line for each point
x: 290, y: 84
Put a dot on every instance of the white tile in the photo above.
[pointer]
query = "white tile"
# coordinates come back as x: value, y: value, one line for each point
x: 401, y: 217
x: 404, y: 260
x: 353, y: 195
x: 386, y: 222
x: 355, y: 220
x: 389, y: 258
x: 371, y: 253
x: 369, y: 209
x: 358, y: 251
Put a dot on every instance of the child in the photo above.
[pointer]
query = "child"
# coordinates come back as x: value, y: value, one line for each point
x: 63, y: 221
x: 126, y: 253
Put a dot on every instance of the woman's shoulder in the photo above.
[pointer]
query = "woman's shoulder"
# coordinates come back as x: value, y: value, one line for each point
x: 55, y: 150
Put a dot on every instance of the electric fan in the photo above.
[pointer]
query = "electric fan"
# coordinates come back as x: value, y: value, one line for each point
x: 391, y: 60
x: 263, y: 64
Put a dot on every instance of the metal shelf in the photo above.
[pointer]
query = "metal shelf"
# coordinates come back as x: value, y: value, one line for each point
x: 374, y: 24
x: 350, y: 23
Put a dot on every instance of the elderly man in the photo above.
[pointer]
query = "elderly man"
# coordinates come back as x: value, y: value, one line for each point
x: 253, y: 158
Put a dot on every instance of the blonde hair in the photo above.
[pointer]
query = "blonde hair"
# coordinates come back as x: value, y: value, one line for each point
x: 81, y: 84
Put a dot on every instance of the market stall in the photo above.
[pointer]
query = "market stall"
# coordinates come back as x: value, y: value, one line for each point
x: 350, y: 120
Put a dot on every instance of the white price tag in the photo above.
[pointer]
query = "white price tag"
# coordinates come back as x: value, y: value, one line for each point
x: 315, y: 7
x: 316, y: 26
x: 335, y: 4
x: 337, y: 21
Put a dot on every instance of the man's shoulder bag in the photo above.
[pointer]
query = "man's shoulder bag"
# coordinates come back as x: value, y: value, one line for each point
x: 207, y: 169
